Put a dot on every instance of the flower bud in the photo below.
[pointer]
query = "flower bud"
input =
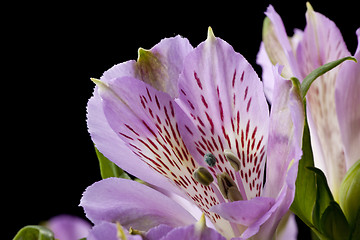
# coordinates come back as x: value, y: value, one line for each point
x: 350, y: 192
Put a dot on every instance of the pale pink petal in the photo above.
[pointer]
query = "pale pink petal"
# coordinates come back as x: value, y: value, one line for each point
x: 347, y: 107
x: 322, y: 42
x: 267, y: 76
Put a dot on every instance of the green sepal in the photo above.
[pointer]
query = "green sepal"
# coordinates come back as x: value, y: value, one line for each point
x: 355, y: 234
x: 34, y: 232
x: 323, y: 195
x: 108, y: 168
x: 305, y: 187
x: 350, y: 192
x: 309, y: 79
x: 333, y: 223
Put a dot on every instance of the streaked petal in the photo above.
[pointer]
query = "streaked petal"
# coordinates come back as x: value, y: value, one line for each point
x: 285, y: 138
x: 109, y: 231
x: 223, y: 107
x: 66, y: 227
x: 322, y: 42
x: 244, y: 212
x: 160, y: 66
x: 144, y: 118
x: 132, y: 205
x: 347, y: 106
x: 109, y: 144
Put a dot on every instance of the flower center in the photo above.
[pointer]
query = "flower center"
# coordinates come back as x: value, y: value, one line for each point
x: 228, y: 188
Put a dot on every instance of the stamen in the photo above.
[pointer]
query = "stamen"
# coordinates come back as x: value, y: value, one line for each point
x: 203, y: 176
x: 234, y: 194
x: 228, y: 187
x: 210, y: 159
x: 136, y: 232
x: 233, y: 160
x: 120, y: 232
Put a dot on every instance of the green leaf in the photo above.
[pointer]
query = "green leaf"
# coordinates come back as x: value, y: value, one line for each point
x: 305, y: 187
x: 33, y: 232
x: 309, y: 79
x: 108, y: 168
x: 323, y: 195
x: 333, y: 223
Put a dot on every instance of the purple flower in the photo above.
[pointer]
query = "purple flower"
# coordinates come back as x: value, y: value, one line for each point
x: 66, y: 227
x: 194, y: 124
x: 332, y: 100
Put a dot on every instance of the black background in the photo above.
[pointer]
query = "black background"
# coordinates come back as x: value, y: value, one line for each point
x: 52, y: 50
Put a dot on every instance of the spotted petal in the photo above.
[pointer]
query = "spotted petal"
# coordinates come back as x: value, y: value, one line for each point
x: 322, y: 42
x: 347, y: 107
x: 224, y: 108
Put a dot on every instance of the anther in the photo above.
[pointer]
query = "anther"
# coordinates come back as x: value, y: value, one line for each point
x: 210, y: 159
x: 203, y: 176
x: 234, y: 194
x: 228, y: 187
x: 233, y: 160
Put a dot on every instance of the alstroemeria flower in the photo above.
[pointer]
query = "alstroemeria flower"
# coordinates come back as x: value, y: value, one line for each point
x: 332, y: 100
x: 195, y: 123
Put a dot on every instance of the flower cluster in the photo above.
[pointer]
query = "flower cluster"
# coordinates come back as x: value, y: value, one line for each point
x: 193, y: 123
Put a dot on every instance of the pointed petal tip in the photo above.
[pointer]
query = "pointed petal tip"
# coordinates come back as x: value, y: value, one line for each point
x: 142, y: 53
x: 99, y: 83
x: 309, y: 7
x: 210, y: 34
x: 201, y: 224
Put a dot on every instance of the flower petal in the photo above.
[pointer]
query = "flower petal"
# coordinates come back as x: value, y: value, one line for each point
x: 287, y: 229
x: 66, y: 227
x: 244, y: 212
x: 225, y: 108
x: 267, y: 76
x: 322, y: 42
x: 285, y: 134
x: 144, y: 118
x: 132, y: 205
x: 190, y: 233
x: 109, y: 144
x: 277, y: 44
x: 160, y: 66
x: 347, y: 106
x: 158, y: 232
x: 109, y: 231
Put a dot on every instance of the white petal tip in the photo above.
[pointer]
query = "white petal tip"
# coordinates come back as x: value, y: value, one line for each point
x: 210, y: 34
x: 309, y: 7
x: 99, y: 83
x: 201, y: 224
